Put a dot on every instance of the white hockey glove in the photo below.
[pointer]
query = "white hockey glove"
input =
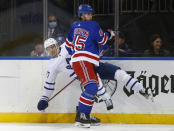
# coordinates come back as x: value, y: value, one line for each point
x: 112, y: 34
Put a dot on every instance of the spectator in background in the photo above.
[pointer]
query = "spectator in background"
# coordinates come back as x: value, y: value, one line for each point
x: 123, y: 48
x: 38, y: 50
x: 53, y: 29
x: 156, y: 47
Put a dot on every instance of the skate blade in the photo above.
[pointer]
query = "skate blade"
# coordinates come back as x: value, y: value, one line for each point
x: 95, y: 124
x: 78, y: 124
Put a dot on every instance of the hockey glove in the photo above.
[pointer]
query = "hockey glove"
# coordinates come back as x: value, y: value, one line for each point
x: 42, y: 105
x: 111, y: 33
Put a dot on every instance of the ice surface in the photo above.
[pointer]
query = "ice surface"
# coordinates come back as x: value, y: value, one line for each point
x: 70, y: 127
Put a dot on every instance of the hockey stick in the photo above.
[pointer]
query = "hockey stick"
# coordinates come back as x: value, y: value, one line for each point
x: 62, y: 89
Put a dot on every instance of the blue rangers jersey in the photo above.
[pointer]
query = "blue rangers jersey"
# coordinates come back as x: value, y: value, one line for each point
x: 83, y: 41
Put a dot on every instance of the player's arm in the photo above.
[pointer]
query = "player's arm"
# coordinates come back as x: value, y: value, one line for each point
x: 101, y: 36
x: 49, y: 85
x: 69, y: 41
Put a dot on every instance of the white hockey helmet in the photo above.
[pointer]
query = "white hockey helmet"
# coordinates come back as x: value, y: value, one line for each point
x: 49, y: 42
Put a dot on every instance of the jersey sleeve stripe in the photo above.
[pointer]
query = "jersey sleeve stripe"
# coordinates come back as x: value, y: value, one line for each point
x: 69, y: 44
x: 48, y: 88
x: 45, y: 97
x: 50, y: 83
x: 104, y: 40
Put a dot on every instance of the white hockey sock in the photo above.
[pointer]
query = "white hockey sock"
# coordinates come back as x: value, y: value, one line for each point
x: 128, y: 81
x: 102, y: 91
x: 103, y: 94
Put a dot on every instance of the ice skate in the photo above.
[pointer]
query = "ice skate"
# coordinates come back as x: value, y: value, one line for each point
x: 108, y: 102
x: 82, y: 120
x: 147, y: 94
x: 94, y: 120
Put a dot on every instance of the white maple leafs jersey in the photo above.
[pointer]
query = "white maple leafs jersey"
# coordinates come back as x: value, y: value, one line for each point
x: 61, y: 63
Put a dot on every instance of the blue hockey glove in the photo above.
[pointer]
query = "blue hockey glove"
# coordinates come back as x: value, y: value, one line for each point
x: 42, y: 105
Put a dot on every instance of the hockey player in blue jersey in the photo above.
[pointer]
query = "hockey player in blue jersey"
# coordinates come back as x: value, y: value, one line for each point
x: 83, y: 43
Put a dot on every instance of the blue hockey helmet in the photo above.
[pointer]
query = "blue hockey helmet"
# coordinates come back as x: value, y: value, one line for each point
x: 84, y: 8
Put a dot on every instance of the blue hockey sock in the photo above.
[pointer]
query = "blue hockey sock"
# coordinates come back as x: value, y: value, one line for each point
x: 87, y: 98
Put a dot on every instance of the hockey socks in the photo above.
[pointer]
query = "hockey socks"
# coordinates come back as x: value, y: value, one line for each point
x: 87, y: 98
x: 102, y: 94
x: 102, y: 91
x: 128, y: 81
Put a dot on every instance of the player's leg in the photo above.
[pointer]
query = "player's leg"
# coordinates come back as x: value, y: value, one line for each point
x: 85, y: 71
x: 106, y: 70
x: 104, y: 96
x: 112, y: 72
x: 133, y: 84
x: 128, y: 81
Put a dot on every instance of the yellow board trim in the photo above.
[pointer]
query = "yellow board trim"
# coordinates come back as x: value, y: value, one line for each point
x: 69, y: 118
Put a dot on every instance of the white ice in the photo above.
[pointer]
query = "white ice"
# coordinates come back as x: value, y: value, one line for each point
x: 70, y: 127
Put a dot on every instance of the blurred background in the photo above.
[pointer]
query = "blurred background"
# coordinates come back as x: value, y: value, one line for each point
x: 144, y: 27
